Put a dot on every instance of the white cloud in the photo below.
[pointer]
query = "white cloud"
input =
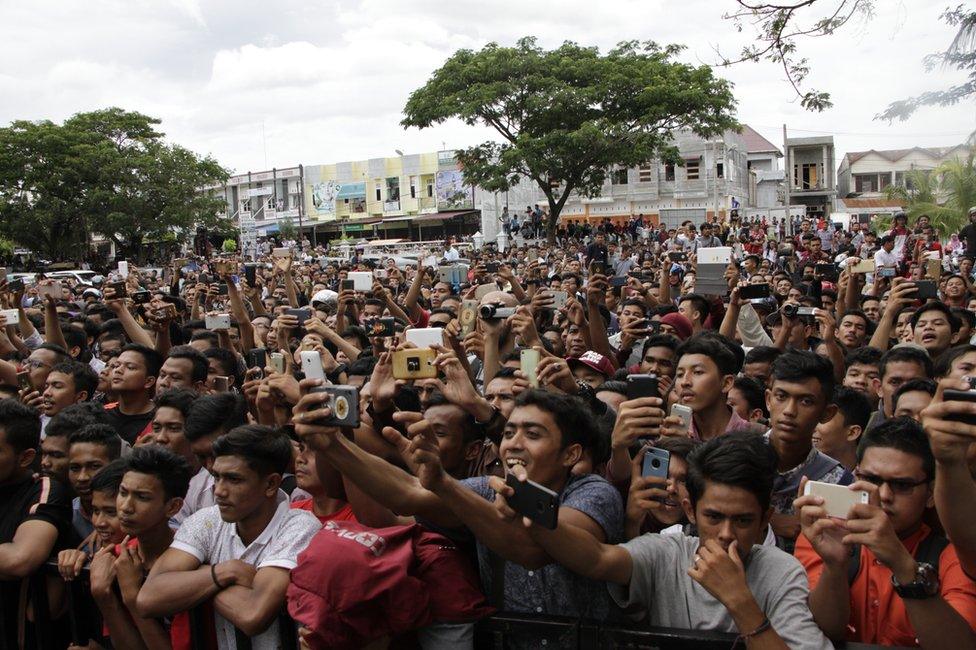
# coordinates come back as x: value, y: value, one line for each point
x: 328, y: 80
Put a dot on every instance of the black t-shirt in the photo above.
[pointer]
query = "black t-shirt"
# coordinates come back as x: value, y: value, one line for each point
x: 596, y: 253
x: 129, y: 427
x: 30, y: 499
x: 968, y: 234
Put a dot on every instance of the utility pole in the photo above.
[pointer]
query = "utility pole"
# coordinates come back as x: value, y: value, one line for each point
x: 789, y: 182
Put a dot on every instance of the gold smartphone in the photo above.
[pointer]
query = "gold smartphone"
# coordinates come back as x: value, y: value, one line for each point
x: 468, y: 317
x: 414, y: 363
x: 528, y: 364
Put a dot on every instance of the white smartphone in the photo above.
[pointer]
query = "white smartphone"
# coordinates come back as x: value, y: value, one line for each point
x: 683, y: 412
x: 55, y: 290
x: 124, y: 269
x: 715, y: 255
x: 380, y: 273
x: 838, y: 499
x: 361, y: 280
x: 529, y: 365
x: 424, y: 337
x: 312, y: 365
x: 281, y: 252
x: 217, y: 321
x: 12, y: 316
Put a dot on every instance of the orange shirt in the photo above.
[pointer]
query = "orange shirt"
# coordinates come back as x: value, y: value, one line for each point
x: 878, y: 614
x: 344, y: 513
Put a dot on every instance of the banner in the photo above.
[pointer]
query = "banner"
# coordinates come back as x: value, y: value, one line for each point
x: 452, y: 193
x: 324, y: 196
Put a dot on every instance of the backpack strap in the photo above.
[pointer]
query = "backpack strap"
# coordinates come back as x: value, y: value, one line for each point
x: 929, y: 550
x: 854, y: 566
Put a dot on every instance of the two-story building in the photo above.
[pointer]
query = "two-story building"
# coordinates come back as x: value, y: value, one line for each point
x: 767, y: 176
x: 810, y: 174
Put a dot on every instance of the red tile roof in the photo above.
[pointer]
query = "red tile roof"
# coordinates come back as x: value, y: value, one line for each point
x: 755, y: 143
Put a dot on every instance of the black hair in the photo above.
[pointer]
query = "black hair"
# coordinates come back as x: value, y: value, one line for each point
x: 181, y: 399
x: 905, y: 435
x: 195, y: 357
x: 864, y: 355
x: 700, y: 304
x: 573, y: 417
x: 83, y: 377
x: 215, y: 413
x: 612, y: 386
x: 171, y: 469
x: 471, y: 431
x: 660, y: 341
x: 868, y: 298
x: 908, y: 353
x: 152, y: 358
x: 965, y: 317
x: 74, y: 417
x: 109, y: 477
x: 677, y: 446
x: 228, y: 361
x: 911, y: 386
x: 853, y: 406
x: 868, y: 323
x: 754, y: 393
x: 762, y: 354
x: 742, y: 460
x: 504, y: 372
x: 712, y: 346
x: 209, y: 336
x: 98, y: 434
x: 265, y: 450
x: 945, y: 310
x: 21, y: 425
x: 943, y: 365
x: 363, y: 366
x: 633, y: 302
x: 797, y: 366
x: 360, y: 335
x: 75, y: 337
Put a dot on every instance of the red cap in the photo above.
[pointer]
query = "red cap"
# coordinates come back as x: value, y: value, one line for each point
x: 593, y: 360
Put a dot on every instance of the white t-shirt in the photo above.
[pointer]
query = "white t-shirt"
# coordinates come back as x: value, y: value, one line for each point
x: 211, y: 540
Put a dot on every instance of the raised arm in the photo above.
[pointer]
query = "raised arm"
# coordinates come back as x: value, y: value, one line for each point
x: 413, y: 294
x: 52, y: 325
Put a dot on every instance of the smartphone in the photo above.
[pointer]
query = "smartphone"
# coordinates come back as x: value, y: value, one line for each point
x: 141, y: 297
x: 167, y: 311
x: 217, y: 321
x: 124, y: 269
x: 225, y: 267
x: 683, y: 412
x: 887, y: 272
x: 312, y: 364
x: 414, y: 363
x: 344, y: 402
x: 754, y: 291
x: 619, y: 281
x: 380, y: 274
x: 927, y: 290
x: 678, y: 256
x: 826, y: 271
x: 656, y: 463
x: 642, y: 386
x: 250, y: 274
x: 204, y: 278
x: 528, y: 364
x: 864, y: 266
x: 257, y: 358
x: 347, y: 285
x: 278, y: 362
x: 302, y: 314
x: 54, y: 290
x: 12, y: 316
x: 933, y: 269
x: 23, y: 380
x: 119, y: 288
x: 559, y: 299
x: 15, y: 285
x: 381, y: 327
x: 281, y: 252
x: 598, y: 268
x: 491, y: 267
x: 538, y: 503
x: 221, y: 384
x: 425, y: 337
x: 838, y: 499
x: 468, y: 316
x: 361, y: 280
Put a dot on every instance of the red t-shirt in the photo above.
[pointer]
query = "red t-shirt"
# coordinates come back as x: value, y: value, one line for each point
x: 344, y: 513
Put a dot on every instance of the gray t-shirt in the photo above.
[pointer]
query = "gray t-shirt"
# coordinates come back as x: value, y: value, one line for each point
x: 554, y: 589
x: 661, y: 589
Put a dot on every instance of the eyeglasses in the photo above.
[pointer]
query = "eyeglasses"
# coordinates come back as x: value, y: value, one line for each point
x: 34, y: 363
x: 896, y: 485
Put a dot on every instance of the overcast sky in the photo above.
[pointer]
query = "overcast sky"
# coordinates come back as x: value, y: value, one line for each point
x: 262, y: 84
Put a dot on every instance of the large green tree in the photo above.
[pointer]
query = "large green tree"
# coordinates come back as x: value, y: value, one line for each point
x: 106, y: 172
x: 566, y: 117
x: 945, y: 194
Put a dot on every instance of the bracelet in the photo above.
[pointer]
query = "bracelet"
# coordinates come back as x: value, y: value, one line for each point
x: 213, y: 574
x: 765, y: 625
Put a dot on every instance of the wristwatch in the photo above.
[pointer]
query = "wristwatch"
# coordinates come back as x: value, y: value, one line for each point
x: 925, y: 584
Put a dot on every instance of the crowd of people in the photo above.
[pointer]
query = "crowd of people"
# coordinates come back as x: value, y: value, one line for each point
x: 722, y: 426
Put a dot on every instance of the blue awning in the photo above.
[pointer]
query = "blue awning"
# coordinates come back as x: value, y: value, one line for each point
x: 351, y: 191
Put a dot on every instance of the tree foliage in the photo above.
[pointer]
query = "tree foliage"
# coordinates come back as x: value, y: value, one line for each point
x: 106, y: 172
x: 945, y: 194
x: 567, y: 116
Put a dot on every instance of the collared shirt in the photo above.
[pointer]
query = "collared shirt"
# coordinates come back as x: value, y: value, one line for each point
x: 736, y: 423
x: 878, y: 614
x: 211, y: 540
x: 199, y: 495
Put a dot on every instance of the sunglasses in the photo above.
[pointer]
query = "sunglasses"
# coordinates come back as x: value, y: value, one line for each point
x: 897, y: 485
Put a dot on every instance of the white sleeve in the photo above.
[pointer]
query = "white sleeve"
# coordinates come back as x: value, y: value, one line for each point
x: 294, y: 536
x: 196, y: 535
x: 750, y: 329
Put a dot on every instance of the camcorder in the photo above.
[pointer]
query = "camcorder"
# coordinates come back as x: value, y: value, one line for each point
x: 495, y: 312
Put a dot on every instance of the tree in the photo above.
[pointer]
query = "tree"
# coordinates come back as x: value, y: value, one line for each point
x: 106, y: 172
x: 567, y: 116
x: 945, y: 194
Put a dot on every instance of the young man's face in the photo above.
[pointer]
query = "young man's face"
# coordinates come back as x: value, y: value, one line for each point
x: 728, y: 514
x: 499, y: 394
x: 699, y: 384
x: 758, y: 370
x: 905, y: 505
x: 872, y: 309
x: 39, y: 365
x: 658, y: 360
x: 143, y: 505
x: 131, y: 374
x: 175, y: 373
x: 896, y: 374
x: 851, y: 331
x: 105, y: 518
x: 240, y: 490
x: 167, y: 430
x: 84, y: 461
x: 630, y: 314
x: 447, y: 421
x: 864, y: 378
x: 306, y: 474
x: 59, y: 392
x: 533, y: 439
x: 54, y: 457
x: 575, y: 342
x: 795, y: 409
x: 671, y: 511
x: 912, y: 403
x: 933, y: 332
x: 834, y: 438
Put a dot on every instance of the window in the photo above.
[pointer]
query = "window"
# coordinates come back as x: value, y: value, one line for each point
x: 720, y: 170
x: 379, y: 193
x: 430, y: 189
x: 618, y: 177
x: 669, y: 172
x: 413, y: 187
x: 645, y: 174
x: 393, y: 188
x: 692, y: 169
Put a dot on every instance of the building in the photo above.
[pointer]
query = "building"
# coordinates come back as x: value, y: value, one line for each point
x: 766, y: 175
x: 810, y: 174
x: 866, y: 174
x: 713, y: 179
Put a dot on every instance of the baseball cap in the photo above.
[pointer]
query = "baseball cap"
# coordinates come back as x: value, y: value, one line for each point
x: 324, y: 296
x: 593, y: 360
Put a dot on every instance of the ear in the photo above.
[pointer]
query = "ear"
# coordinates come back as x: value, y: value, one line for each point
x: 81, y: 397
x: 828, y: 413
x: 854, y: 432
x: 572, y: 454
x: 473, y: 450
x: 765, y: 520
x: 173, y: 506
x: 755, y: 414
x: 272, y: 484
x: 150, y: 382
x: 26, y: 458
x: 689, y: 510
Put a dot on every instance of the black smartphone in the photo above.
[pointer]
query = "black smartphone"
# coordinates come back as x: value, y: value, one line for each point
x: 491, y: 267
x: 380, y: 327
x: 257, y: 358
x: 953, y: 395
x: 598, y: 268
x: 826, y: 271
x: 222, y: 289
x: 754, y: 291
x: 927, y: 290
x: 15, y: 285
x: 302, y: 314
x: 141, y: 297
x: 250, y: 274
x: 678, y: 257
x: 642, y: 386
x: 119, y: 287
x: 347, y: 285
x: 619, y: 281
x: 204, y: 278
x: 538, y: 503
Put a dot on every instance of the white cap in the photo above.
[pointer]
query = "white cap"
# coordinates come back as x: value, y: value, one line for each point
x: 325, y: 295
